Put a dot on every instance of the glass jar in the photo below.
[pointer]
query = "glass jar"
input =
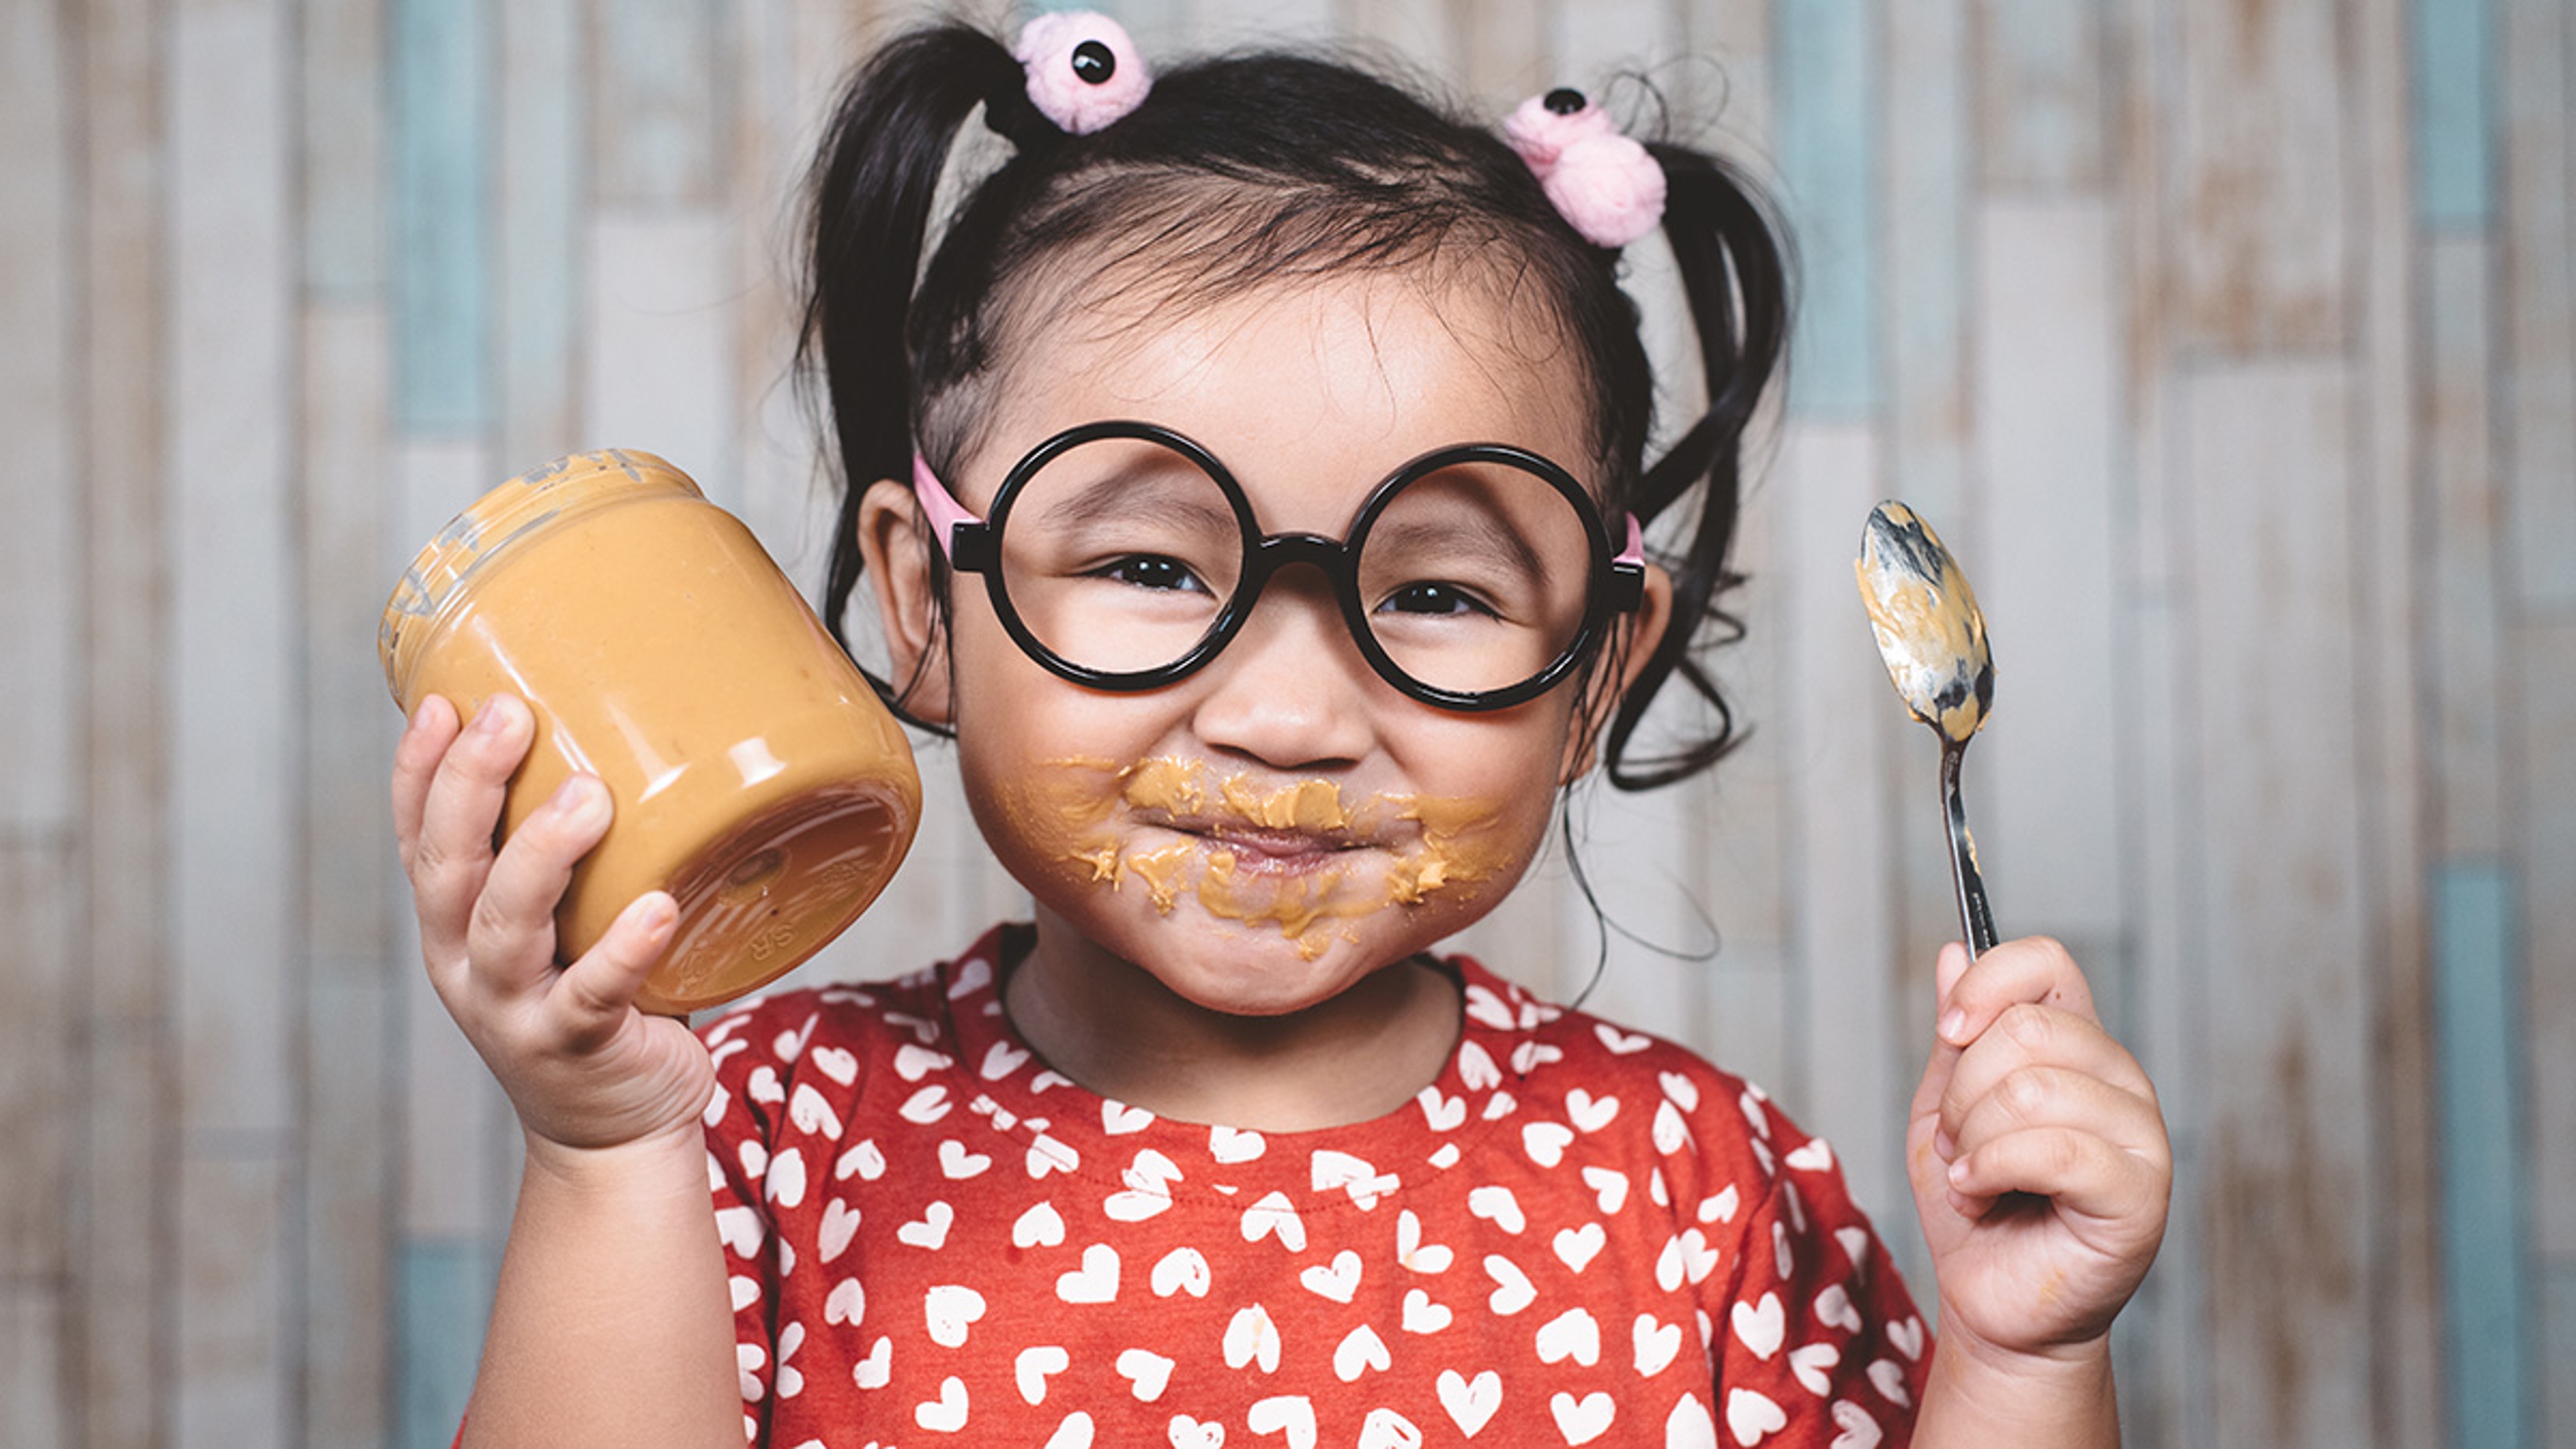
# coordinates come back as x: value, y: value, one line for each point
x: 756, y: 775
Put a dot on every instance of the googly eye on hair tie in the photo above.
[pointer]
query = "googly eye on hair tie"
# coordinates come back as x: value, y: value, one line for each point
x: 1606, y: 185
x: 1083, y: 71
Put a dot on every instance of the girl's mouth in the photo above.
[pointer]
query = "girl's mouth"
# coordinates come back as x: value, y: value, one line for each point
x: 1270, y: 852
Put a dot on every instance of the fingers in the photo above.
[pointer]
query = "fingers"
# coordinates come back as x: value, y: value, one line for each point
x: 2033, y: 969
x: 2081, y: 1172
x: 452, y: 850
x: 591, y: 999
x: 426, y: 736
x: 2030, y: 1038
x: 511, y: 933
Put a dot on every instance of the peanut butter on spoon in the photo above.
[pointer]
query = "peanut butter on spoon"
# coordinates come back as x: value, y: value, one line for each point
x: 1932, y: 637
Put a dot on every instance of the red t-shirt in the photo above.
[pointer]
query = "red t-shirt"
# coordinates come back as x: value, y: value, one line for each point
x: 1576, y: 1235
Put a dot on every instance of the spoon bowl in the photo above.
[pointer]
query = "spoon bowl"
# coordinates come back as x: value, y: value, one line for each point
x: 1932, y: 637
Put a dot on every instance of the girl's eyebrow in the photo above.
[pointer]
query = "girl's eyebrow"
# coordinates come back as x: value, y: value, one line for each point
x: 1495, y: 537
x: 1124, y: 493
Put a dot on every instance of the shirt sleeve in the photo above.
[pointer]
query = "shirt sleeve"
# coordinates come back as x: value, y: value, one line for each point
x: 741, y: 1127
x: 1817, y: 1341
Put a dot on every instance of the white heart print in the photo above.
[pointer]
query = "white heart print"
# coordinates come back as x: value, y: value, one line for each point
x: 1859, y: 1430
x: 1813, y: 1367
x: 1470, y: 1402
x: 1387, y: 1429
x: 1572, y: 1334
x: 1040, y: 1227
x: 1096, y: 1281
x: 1577, y: 1247
x: 1759, y: 1327
x: 1188, y: 1433
x: 1148, y: 1371
x: 1289, y: 1414
x: 949, y: 1310
x: 1581, y: 1420
x: 1657, y: 1344
x: 1250, y: 1337
x: 1751, y: 1417
x: 1337, y: 1280
x: 1512, y: 1290
x: 1421, y: 1315
x: 930, y: 1230
x: 1359, y: 1351
x: 1035, y: 1365
x: 946, y: 1414
x: 1182, y: 1270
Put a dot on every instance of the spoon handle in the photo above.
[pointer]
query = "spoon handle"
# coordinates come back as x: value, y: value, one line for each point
x: 1974, y: 916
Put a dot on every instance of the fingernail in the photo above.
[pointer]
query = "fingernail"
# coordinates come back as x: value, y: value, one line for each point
x: 1954, y: 1026
x: 1958, y: 1173
x: 572, y: 796
x: 1944, y: 1145
x: 487, y: 718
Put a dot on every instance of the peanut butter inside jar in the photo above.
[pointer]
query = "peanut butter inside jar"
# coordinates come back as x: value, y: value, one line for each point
x: 755, y: 774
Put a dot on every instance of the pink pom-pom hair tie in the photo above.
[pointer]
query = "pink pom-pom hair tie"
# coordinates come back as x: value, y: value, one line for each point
x: 1606, y: 185
x: 1084, y: 73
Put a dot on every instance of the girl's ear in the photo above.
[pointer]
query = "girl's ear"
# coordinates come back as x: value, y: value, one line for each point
x: 895, y: 547
x: 1630, y: 647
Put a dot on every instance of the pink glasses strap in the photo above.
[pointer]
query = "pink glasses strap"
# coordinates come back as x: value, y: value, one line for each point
x: 945, y: 512
x: 1635, y: 553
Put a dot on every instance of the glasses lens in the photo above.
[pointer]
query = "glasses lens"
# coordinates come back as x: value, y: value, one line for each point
x: 1476, y: 577
x: 1119, y: 554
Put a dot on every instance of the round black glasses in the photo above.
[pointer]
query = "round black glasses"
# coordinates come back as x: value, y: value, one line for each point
x: 1122, y: 556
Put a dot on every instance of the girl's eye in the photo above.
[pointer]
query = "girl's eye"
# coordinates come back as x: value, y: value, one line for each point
x: 1153, y: 571
x: 1429, y: 597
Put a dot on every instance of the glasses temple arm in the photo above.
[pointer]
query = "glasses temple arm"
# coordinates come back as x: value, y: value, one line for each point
x: 946, y: 513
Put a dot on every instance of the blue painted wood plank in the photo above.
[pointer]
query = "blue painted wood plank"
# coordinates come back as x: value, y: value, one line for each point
x: 443, y: 105
x: 2557, y: 1345
x: 2486, y: 1272
x: 2453, y: 60
x: 1828, y: 113
x: 655, y: 102
x: 446, y: 1298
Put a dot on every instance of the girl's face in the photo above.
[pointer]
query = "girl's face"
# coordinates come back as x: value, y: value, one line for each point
x: 1270, y: 829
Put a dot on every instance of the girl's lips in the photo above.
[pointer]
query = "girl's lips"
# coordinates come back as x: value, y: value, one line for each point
x: 1258, y: 848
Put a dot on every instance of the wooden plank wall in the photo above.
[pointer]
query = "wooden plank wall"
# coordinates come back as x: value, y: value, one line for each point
x: 2233, y: 346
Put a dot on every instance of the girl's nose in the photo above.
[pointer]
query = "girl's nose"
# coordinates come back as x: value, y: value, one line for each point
x: 1292, y: 690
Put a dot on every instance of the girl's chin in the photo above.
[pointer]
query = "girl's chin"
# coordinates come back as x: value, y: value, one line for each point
x: 1250, y: 967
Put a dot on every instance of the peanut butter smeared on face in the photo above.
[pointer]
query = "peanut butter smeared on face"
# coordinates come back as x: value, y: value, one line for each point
x: 1929, y: 629
x: 1404, y: 850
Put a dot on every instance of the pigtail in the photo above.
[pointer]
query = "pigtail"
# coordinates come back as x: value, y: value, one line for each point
x: 1734, y: 272
x: 870, y: 193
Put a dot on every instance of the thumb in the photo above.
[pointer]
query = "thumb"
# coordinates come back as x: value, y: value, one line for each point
x: 594, y: 994
x: 1947, y: 1042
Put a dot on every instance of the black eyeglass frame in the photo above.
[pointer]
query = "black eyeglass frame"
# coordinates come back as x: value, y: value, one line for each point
x: 1617, y: 580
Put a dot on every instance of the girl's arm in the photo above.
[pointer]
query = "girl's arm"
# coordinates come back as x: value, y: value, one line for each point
x: 2042, y: 1173
x: 612, y: 1324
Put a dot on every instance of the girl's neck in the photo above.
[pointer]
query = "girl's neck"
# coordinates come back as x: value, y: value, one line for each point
x: 1113, y: 1028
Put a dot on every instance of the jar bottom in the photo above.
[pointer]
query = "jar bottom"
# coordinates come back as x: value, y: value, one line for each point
x: 759, y: 902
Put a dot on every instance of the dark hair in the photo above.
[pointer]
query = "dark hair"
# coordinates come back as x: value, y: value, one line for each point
x: 1236, y: 171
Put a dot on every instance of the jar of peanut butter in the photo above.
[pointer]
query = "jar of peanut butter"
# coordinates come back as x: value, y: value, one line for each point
x: 755, y: 774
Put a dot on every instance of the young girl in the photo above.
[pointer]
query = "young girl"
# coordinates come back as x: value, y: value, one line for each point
x: 1248, y: 482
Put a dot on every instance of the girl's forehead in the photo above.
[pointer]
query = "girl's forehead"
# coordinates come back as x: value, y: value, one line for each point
x: 1382, y: 365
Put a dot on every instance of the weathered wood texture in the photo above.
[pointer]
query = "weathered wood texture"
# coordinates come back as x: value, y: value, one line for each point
x: 2232, y: 345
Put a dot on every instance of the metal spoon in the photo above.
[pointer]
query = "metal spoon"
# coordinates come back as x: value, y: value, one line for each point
x: 1934, y: 641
